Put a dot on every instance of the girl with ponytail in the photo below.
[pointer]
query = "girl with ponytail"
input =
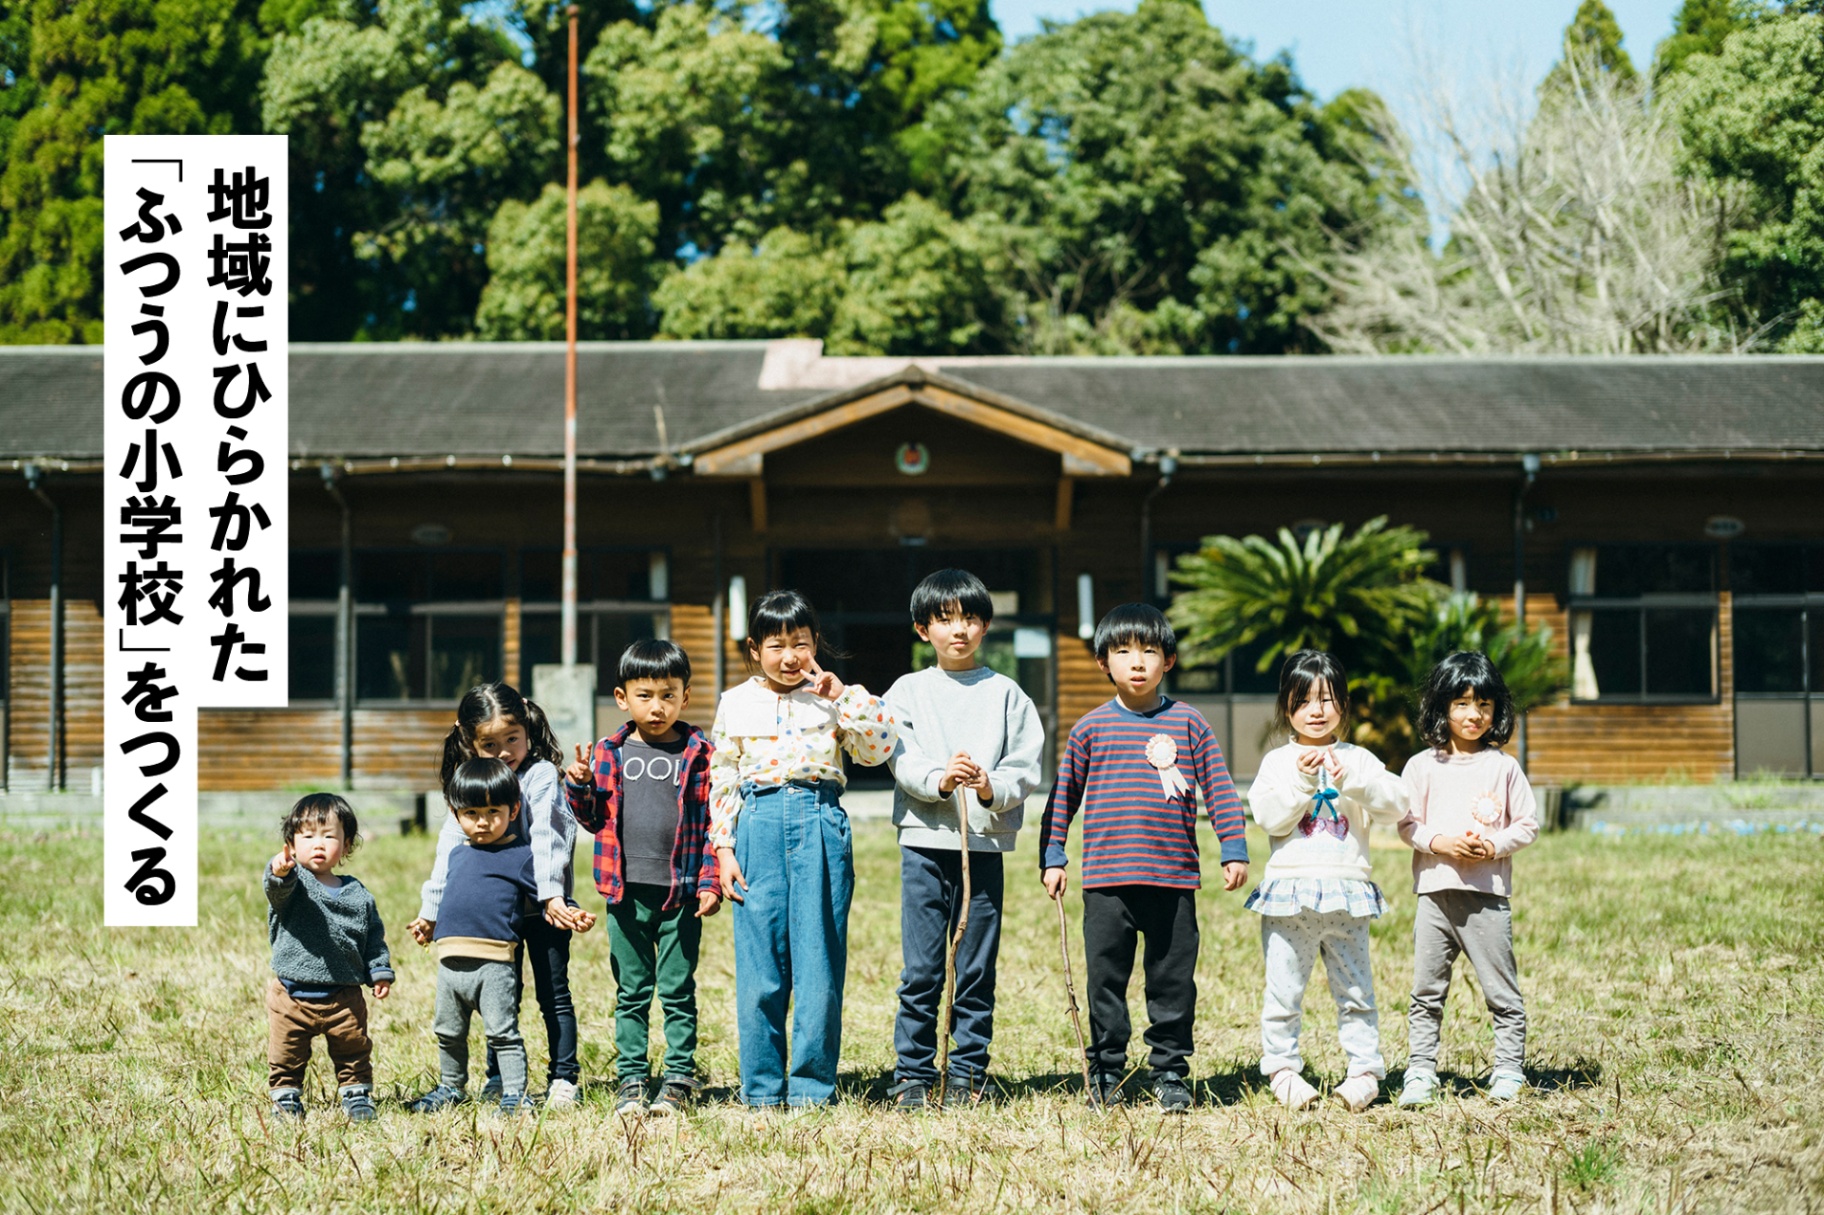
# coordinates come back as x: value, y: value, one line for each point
x: 493, y: 721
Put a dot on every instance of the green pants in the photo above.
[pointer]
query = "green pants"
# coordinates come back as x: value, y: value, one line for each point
x: 654, y: 950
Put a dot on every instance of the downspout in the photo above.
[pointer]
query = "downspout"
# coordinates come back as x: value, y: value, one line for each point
x: 1168, y: 464
x: 345, y: 602
x: 718, y: 612
x: 53, y: 768
x: 1529, y: 472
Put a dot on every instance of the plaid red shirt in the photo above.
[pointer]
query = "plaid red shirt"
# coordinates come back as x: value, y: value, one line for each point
x: 597, y: 807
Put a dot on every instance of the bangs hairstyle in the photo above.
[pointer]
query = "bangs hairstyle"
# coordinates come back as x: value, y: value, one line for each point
x: 314, y: 808
x: 1135, y: 622
x: 653, y: 658
x: 480, y: 705
x: 481, y: 782
x: 1297, y: 675
x: 949, y: 590
x: 1465, y: 673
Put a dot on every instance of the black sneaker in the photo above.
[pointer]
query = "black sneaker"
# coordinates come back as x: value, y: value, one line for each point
x: 1104, y: 1090
x: 288, y: 1101
x: 440, y: 1098
x: 1172, y: 1094
x: 358, y: 1103
x: 630, y: 1098
x: 960, y: 1094
x: 911, y: 1096
x: 674, y: 1097
x: 512, y: 1104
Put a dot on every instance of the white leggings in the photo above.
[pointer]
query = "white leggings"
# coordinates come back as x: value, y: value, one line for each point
x: 1292, y: 944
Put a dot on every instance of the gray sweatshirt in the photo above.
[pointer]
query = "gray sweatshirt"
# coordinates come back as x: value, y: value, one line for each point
x: 980, y: 711
x: 544, y: 818
x: 319, y: 935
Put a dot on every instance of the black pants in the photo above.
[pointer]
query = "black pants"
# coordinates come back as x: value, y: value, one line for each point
x: 1113, y: 918
x: 931, y: 895
x: 550, y: 950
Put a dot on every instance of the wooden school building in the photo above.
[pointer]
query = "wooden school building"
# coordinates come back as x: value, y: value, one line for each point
x: 1665, y: 516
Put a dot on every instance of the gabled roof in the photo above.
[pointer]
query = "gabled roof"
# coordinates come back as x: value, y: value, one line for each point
x: 425, y: 403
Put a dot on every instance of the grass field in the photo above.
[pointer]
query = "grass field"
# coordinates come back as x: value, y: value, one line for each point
x: 1675, y: 987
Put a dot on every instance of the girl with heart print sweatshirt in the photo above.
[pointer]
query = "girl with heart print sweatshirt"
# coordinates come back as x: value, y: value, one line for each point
x: 1316, y: 797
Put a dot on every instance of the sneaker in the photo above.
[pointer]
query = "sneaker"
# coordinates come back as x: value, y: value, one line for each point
x: 1104, y: 1090
x: 911, y: 1096
x: 491, y: 1090
x: 959, y: 1094
x: 440, y: 1098
x: 288, y: 1101
x: 674, y: 1097
x: 1172, y: 1094
x: 1358, y: 1092
x: 1506, y: 1086
x: 1421, y: 1088
x: 512, y: 1104
x: 630, y: 1098
x: 561, y: 1094
x: 358, y: 1103
x: 1292, y: 1090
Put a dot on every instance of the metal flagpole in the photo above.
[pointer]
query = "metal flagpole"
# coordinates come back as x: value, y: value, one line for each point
x: 569, y: 617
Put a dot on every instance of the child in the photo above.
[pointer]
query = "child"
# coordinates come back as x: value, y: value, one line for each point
x: 646, y: 801
x: 493, y: 721
x: 1140, y: 871
x: 962, y: 729
x: 488, y: 889
x: 776, y: 784
x: 1471, y: 810
x: 327, y: 940
x: 1315, y: 797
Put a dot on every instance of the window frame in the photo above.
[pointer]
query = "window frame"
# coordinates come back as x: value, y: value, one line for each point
x: 1641, y: 604
x: 590, y: 611
x: 367, y: 610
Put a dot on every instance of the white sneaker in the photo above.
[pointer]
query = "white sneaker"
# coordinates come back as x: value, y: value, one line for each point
x: 1291, y: 1089
x: 1358, y: 1092
x: 561, y: 1094
x: 1506, y: 1086
x: 1421, y: 1089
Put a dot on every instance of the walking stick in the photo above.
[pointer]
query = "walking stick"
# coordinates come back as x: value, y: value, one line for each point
x: 1070, y: 989
x: 947, y: 1022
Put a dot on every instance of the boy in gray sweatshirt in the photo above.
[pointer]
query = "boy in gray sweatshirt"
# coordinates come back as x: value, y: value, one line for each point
x: 965, y: 732
x: 327, y: 941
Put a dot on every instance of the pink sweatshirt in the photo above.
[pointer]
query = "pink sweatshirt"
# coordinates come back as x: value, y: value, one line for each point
x: 1486, y: 793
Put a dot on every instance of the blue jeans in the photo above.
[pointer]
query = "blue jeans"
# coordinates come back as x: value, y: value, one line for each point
x: 792, y: 939
x: 931, y: 896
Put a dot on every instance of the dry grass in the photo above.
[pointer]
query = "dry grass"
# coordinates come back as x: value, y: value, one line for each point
x: 1674, y: 985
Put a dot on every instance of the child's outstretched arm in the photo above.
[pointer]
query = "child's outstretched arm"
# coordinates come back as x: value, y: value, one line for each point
x: 1222, y: 802
x: 281, y: 879
x: 1060, y: 808
x: 583, y: 790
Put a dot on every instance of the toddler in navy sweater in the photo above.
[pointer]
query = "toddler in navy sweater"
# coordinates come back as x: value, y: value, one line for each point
x: 489, y: 892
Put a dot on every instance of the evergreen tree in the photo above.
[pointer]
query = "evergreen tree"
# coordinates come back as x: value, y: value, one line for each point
x: 1593, y: 38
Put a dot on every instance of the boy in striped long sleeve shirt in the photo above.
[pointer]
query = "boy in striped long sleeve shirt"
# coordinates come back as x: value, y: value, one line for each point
x: 1126, y: 768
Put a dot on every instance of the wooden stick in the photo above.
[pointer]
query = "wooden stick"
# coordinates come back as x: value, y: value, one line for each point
x: 947, y: 1022
x: 1070, y: 989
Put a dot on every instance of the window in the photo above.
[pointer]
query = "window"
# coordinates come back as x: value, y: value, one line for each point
x: 1643, y: 623
x: 316, y: 581
x: 1779, y: 658
x: 427, y: 624
x: 621, y: 598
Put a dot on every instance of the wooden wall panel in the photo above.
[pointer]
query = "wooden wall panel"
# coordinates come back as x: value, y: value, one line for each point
x: 241, y: 749
x: 82, y: 703
x: 400, y: 748
x: 28, y: 694
x: 1081, y: 684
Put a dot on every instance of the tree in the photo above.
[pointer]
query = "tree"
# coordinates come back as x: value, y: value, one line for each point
x: 788, y: 285
x: 1592, y: 44
x: 1700, y: 27
x: 1364, y: 598
x: 1577, y: 234
x: 1753, y: 121
x: 525, y: 296
x: 95, y: 68
x: 1155, y: 183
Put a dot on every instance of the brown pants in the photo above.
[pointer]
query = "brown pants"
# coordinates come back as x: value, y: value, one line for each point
x: 341, y: 1019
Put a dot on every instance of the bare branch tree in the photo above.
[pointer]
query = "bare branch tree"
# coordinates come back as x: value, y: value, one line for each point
x: 1572, y: 233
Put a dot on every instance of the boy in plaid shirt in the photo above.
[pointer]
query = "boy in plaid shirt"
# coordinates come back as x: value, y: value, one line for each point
x: 645, y: 797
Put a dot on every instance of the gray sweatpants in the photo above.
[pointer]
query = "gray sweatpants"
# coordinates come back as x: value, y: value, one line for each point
x: 1447, y: 923
x: 468, y: 985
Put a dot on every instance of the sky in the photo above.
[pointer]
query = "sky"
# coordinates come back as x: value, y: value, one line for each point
x: 1339, y: 44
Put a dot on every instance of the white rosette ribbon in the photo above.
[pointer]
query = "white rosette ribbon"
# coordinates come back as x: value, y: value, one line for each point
x: 1162, y: 753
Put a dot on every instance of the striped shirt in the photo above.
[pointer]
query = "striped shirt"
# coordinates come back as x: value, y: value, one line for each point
x: 1133, y: 833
